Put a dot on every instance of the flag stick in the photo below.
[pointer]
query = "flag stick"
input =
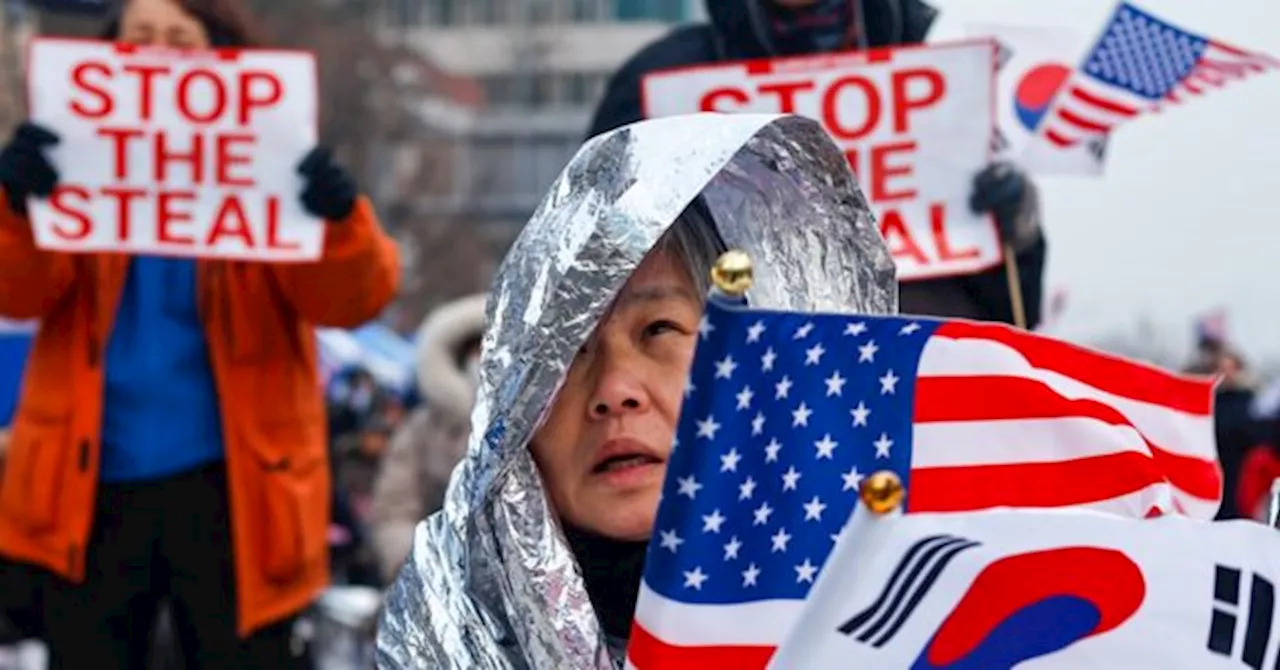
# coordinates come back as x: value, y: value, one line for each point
x: 1273, y: 506
x: 1015, y: 287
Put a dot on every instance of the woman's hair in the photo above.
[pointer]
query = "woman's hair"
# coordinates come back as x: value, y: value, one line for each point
x: 228, y: 22
x: 694, y: 241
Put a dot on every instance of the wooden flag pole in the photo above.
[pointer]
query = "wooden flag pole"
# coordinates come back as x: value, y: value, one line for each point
x: 1015, y: 287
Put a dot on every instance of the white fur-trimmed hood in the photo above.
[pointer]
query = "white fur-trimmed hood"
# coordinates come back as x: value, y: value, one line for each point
x: 441, y: 382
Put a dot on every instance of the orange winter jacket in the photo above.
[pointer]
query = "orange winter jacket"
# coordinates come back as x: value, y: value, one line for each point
x: 259, y: 321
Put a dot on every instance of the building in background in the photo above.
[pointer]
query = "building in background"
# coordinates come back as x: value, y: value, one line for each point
x: 16, y: 27
x: 543, y: 65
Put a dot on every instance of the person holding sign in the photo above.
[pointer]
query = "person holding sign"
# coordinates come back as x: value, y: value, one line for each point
x: 940, y: 274
x: 170, y: 442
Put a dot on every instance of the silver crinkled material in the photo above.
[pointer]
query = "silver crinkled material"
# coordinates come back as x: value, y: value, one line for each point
x: 491, y: 582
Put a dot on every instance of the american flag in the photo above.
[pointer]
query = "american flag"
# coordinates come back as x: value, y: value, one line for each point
x: 786, y: 413
x: 1139, y: 65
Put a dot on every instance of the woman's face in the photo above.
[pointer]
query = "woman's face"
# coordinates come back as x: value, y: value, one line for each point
x: 603, y: 448
x: 161, y: 23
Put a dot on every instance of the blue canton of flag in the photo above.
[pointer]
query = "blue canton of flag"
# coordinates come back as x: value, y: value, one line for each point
x: 1144, y: 55
x: 763, y: 477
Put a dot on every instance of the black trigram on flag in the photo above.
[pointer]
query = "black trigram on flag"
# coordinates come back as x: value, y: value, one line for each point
x: 999, y: 143
x: 1098, y: 146
x: 916, y: 573
x: 1229, y: 608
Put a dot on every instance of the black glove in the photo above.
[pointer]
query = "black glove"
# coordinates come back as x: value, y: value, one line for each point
x: 999, y: 189
x: 24, y: 169
x: 331, y: 191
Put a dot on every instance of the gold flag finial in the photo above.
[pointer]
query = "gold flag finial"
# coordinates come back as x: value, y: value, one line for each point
x: 883, y: 492
x: 733, y: 273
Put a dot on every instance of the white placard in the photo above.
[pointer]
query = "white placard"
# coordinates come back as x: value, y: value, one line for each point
x: 916, y: 123
x: 175, y: 153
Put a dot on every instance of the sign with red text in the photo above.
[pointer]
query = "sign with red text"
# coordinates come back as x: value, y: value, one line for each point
x: 917, y: 123
x: 175, y: 153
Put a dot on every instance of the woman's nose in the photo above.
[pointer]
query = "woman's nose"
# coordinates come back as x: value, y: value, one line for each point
x: 603, y: 408
x: 619, y: 390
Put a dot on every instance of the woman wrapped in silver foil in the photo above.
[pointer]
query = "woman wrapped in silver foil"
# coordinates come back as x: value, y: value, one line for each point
x: 536, y: 557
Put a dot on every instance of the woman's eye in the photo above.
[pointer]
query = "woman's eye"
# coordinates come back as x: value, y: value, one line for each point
x: 660, y: 327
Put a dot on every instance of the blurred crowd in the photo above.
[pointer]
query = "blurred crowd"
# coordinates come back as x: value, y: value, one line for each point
x: 1247, y: 422
x: 393, y: 452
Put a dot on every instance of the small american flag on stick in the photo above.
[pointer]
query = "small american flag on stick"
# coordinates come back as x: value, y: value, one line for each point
x: 1139, y: 65
x: 787, y: 412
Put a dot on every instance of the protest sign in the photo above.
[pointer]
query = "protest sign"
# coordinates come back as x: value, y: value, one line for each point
x: 1052, y: 590
x: 915, y: 122
x: 175, y: 153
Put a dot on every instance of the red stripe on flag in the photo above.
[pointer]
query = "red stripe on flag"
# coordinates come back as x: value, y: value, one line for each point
x: 1082, y: 481
x: 969, y: 399
x: 1058, y: 138
x: 1200, y: 478
x: 1234, y: 51
x: 1081, y: 122
x: 1103, y: 103
x: 1209, y: 77
x: 647, y: 652
x: 1101, y: 371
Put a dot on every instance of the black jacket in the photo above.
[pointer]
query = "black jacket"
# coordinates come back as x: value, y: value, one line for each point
x: 732, y: 34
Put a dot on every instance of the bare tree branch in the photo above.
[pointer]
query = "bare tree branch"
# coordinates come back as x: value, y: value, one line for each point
x: 372, y: 97
x: 13, y: 90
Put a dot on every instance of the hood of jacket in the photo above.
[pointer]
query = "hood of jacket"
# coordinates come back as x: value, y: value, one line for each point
x: 739, y: 28
x: 491, y: 582
x: 441, y: 381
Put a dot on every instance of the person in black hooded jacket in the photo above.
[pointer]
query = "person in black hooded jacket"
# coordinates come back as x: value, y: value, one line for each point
x: 745, y: 29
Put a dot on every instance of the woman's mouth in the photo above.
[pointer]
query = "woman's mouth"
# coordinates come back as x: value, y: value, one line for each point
x: 624, y: 462
x: 627, y: 463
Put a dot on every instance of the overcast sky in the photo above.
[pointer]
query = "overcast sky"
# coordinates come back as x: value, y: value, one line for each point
x: 1187, y: 217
